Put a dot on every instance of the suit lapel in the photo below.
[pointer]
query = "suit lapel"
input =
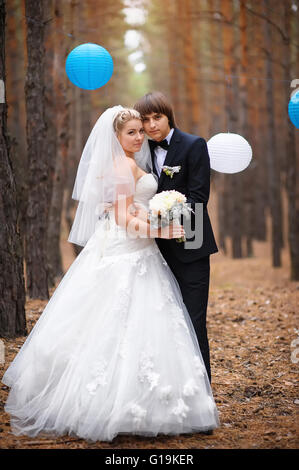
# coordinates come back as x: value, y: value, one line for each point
x: 153, y: 159
x: 175, y: 139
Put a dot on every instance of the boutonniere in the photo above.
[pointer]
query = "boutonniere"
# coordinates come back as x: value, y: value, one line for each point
x: 170, y: 170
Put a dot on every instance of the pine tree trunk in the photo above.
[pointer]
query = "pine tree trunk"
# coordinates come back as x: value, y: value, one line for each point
x: 217, y: 125
x: 292, y: 164
x: 74, y: 135
x: 38, y: 181
x: 12, y: 291
x: 50, y: 115
x: 190, y: 72
x: 271, y: 151
x: 246, y: 176
x: 172, y: 42
x: 61, y: 127
x: 258, y: 128
x: 233, y: 182
x: 15, y: 66
x: 215, y: 34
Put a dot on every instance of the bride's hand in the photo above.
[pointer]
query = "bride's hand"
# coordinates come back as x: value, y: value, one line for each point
x: 140, y: 212
x: 172, y: 231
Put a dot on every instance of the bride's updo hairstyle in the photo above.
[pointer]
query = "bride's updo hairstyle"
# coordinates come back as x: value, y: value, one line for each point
x: 123, y: 117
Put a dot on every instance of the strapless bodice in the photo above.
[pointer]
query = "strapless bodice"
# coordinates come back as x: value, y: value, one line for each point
x: 146, y: 188
x: 114, y: 239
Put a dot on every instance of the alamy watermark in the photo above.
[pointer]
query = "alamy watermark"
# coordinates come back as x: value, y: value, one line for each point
x: 293, y: 84
x: 193, y: 225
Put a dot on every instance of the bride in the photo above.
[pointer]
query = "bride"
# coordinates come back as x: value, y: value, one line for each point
x: 114, y: 351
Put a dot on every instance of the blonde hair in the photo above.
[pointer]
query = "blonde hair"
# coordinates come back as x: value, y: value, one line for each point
x: 124, y: 116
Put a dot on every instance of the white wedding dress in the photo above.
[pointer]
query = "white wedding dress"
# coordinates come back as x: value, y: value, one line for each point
x: 114, y: 351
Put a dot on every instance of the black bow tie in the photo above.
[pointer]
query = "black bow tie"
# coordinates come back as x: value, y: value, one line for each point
x: 164, y: 144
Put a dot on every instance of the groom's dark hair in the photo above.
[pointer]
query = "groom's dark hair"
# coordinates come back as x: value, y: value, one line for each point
x: 156, y: 102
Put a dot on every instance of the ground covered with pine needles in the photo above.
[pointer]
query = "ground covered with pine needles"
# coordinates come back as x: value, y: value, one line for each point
x: 252, y: 315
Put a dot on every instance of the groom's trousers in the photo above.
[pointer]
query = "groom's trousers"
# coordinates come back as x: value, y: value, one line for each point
x: 194, y: 279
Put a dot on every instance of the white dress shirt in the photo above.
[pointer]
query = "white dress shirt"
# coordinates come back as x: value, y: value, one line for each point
x: 160, y: 154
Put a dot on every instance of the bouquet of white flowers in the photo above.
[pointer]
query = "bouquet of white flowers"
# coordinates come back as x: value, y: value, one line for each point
x: 167, y: 207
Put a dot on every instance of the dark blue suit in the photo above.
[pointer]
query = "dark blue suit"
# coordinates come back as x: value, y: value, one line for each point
x: 191, y: 267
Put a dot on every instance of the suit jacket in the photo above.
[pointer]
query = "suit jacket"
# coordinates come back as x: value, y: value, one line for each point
x: 193, y: 180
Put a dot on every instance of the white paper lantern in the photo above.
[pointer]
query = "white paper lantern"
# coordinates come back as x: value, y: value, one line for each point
x: 229, y: 153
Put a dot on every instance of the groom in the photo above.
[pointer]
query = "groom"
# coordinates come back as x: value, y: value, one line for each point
x: 173, y: 148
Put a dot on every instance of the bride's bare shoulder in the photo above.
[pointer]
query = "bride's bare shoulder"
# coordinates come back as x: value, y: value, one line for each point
x: 132, y: 163
x: 134, y: 167
x: 136, y: 170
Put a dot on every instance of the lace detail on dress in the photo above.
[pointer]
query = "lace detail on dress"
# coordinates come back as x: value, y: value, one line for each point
x: 146, y: 373
x: 123, y: 299
x: 124, y: 347
x: 190, y: 388
x: 121, y: 309
x: 211, y: 404
x: 133, y: 258
x: 138, y: 414
x: 180, y: 410
x: 179, y: 325
x: 166, y: 394
x: 163, y: 260
x: 199, y: 366
x: 142, y: 269
x: 178, y: 318
x: 141, y: 265
x: 167, y: 291
x: 99, y: 374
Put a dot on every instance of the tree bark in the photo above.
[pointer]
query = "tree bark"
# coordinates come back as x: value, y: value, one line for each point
x: 50, y: 115
x: 271, y: 152
x: 74, y: 135
x: 16, y: 121
x: 12, y: 291
x: 60, y: 159
x: 246, y: 176
x: 38, y: 181
x: 172, y: 42
x: 217, y: 121
x: 233, y: 182
x: 257, y: 110
x: 190, y: 73
x: 292, y: 166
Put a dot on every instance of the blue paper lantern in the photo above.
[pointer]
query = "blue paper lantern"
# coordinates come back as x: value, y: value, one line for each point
x: 294, y: 109
x: 89, y: 66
